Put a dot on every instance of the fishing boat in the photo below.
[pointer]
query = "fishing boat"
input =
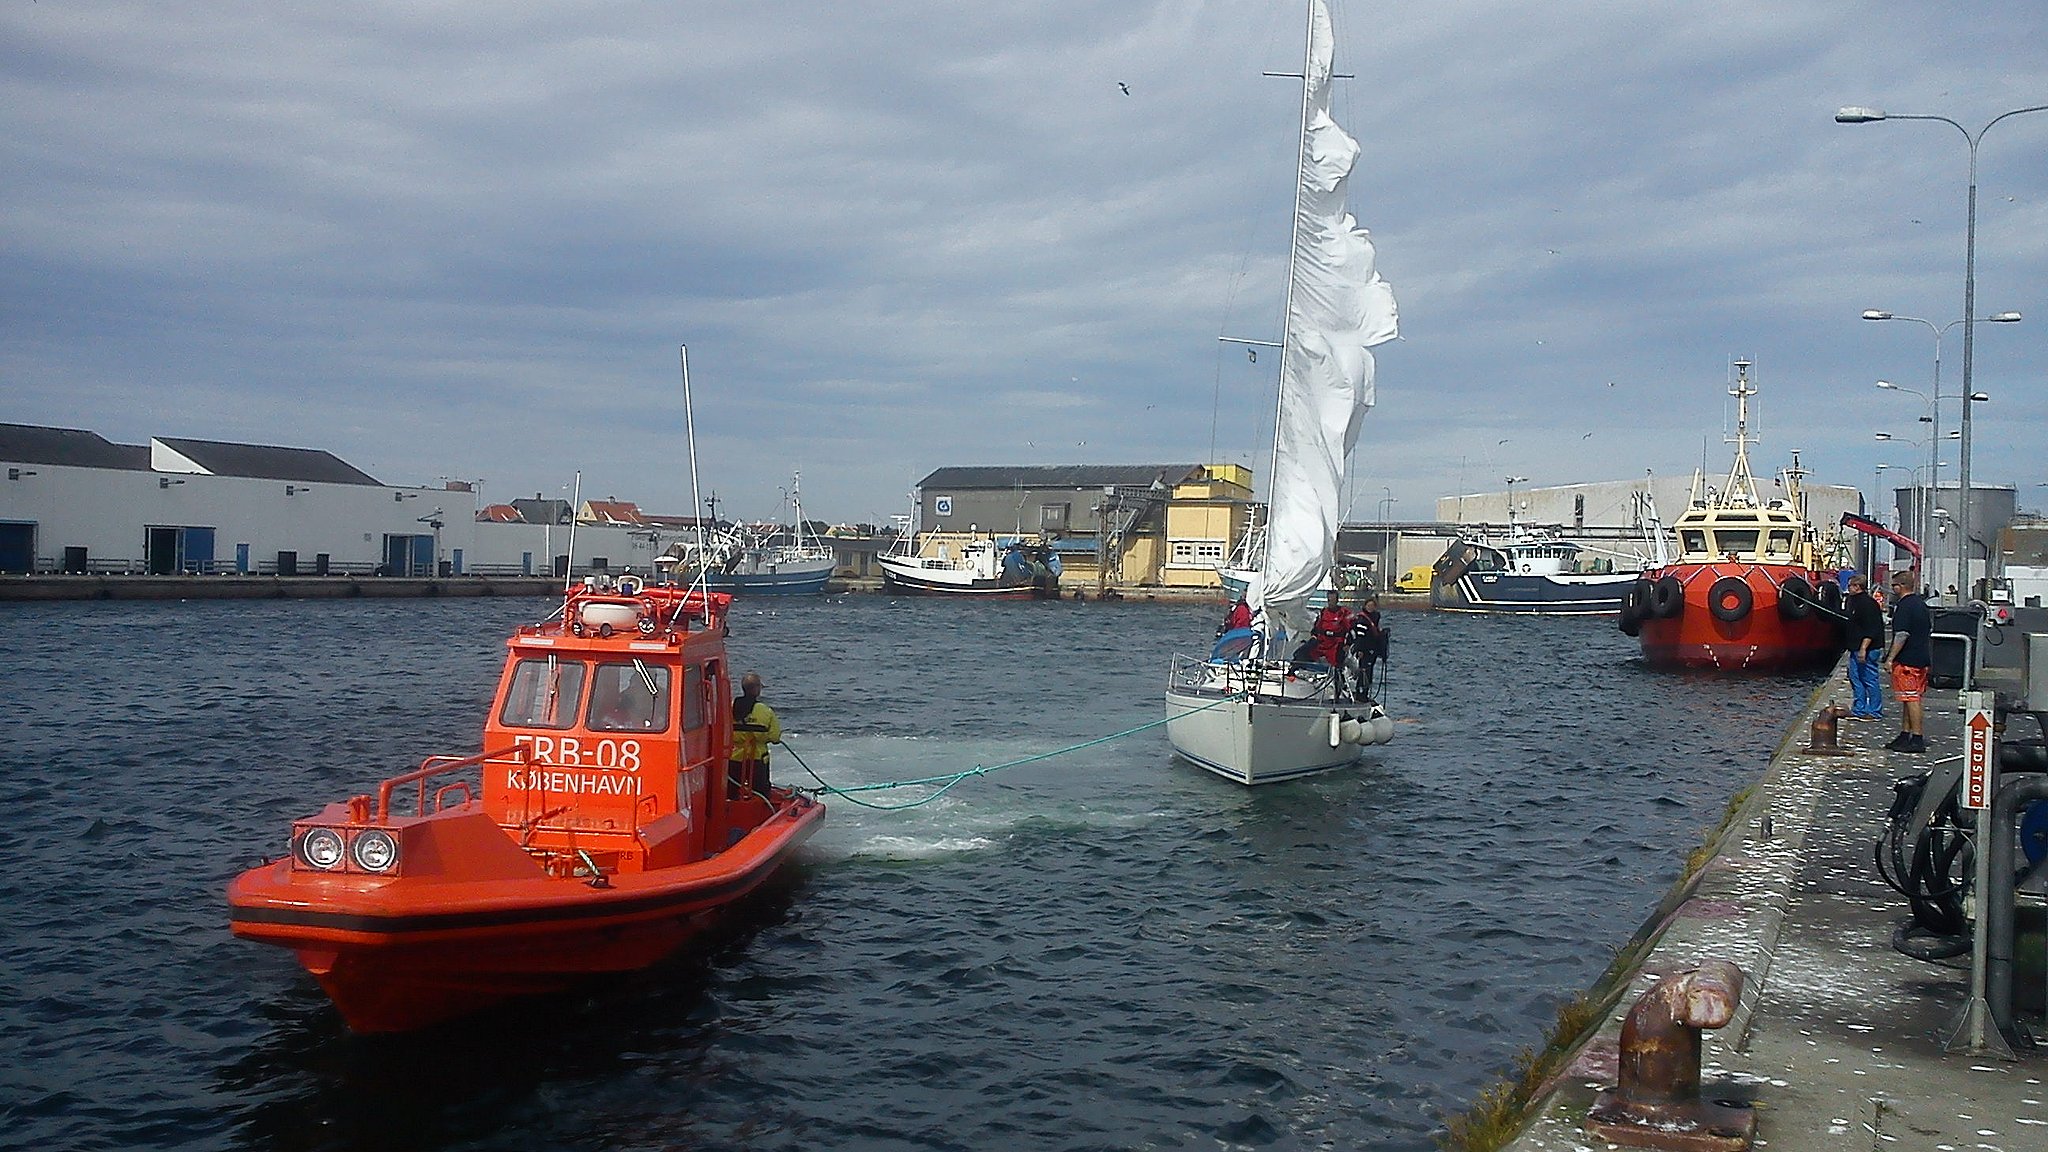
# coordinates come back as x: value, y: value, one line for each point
x: 1247, y: 711
x: 984, y: 566
x: 1530, y: 573
x: 1752, y: 586
x: 759, y: 561
x: 595, y: 832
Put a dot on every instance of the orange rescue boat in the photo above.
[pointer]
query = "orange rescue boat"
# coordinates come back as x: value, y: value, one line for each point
x: 1751, y: 589
x: 596, y: 832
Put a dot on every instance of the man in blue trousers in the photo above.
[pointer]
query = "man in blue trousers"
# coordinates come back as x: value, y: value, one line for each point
x: 1866, y: 649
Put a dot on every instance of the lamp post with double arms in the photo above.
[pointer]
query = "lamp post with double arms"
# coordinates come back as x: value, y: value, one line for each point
x: 1859, y: 115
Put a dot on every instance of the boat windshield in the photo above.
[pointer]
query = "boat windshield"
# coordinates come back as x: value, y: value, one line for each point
x: 629, y: 697
x: 543, y: 694
x: 1732, y: 540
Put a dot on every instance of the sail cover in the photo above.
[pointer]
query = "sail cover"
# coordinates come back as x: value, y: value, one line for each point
x: 1338, y: 307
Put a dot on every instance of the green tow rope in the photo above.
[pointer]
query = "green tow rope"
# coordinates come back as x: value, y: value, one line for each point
x: 946, y: 782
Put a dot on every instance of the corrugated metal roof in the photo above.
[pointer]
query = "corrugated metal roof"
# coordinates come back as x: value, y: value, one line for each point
x: 1062, y: 476
x: 265, y: 462
x: 36, y: 444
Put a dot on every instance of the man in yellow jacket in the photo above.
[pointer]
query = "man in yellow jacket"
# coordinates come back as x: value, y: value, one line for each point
x: 754, y: 728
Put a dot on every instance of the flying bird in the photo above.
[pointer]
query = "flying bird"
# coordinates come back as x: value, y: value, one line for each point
x: 1252, y: 354
x: 1124, y: 86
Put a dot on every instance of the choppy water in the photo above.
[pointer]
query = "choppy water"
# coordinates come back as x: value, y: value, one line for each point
x: 1103, y: 950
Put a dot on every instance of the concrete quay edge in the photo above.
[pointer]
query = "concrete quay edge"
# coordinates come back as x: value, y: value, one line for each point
x: 1838, y: 1040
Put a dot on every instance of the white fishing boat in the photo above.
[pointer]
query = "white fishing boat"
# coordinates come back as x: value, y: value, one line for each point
x: 1246, y: 711
x: 757, y: 561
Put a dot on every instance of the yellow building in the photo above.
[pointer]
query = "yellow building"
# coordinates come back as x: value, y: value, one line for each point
x: 1112, y: 526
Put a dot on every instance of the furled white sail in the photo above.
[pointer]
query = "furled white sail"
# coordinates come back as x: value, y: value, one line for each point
x: 1338, y: 307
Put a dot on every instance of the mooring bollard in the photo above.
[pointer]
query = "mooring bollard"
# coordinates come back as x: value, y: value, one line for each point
x: 1656, y: 1102
x: 1827, y: 727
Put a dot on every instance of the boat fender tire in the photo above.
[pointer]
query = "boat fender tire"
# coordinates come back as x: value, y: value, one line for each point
x: 1795, y: 598
x: 1831, y: 596
x: 1730, y: 599
x: 1667, y: 597
x: 1631, y: 622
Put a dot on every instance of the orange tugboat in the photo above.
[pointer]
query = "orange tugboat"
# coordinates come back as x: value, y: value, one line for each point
x: 1750, y: 589
x: 596, y: 831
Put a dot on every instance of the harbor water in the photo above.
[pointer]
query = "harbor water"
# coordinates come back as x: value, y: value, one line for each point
x: 1101, y: 949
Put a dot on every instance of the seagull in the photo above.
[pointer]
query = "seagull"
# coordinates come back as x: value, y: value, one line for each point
x: 1124, y: 86
x: 1252, y: 354
x: 1587, y: 436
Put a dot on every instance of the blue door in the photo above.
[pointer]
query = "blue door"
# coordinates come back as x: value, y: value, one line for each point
x: 422, y: 556
x: 526, y: 563
x: 242, y: 559
x: 457, y: 554
x: 197, y: 550
x: 18, y: 547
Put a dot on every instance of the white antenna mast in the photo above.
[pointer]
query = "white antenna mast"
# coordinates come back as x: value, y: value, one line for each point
x: 696, y: 500
x: 575, y: 507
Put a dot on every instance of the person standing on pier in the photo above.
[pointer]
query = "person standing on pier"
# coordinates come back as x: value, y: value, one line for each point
x: 754, y: 728
x: 1910, y: 656
x: 1866, y: 648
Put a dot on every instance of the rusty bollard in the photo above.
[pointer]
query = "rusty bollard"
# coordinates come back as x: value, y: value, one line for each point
x: 1657, y: 1103
x: 1827, y: 728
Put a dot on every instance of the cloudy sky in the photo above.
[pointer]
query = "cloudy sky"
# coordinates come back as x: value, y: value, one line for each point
x: 465, y: 239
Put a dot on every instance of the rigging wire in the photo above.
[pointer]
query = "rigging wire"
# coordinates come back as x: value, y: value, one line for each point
x: 945, y: 782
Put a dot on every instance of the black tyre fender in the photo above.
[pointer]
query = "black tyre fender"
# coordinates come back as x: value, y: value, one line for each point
x: 1730, y: 599
x: 1667, y: 597
x: 1795, y: 598
x: 1831, y: 596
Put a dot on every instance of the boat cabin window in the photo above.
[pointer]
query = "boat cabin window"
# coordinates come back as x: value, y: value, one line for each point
x: 1693, y: 541
x: 543, y: 694
x: 629, y: 697
x: 1781, y: 543
x: 1732, y: 540
x: 693, y: 697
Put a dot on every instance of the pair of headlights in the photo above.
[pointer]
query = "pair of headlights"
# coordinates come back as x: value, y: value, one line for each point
x: 324, y: 849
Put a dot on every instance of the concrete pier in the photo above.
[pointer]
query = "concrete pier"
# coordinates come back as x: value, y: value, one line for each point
x: 1838, y: 1041
x: 251, y: 587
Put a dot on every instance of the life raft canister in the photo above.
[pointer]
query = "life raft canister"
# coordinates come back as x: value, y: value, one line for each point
x: 1795, y: 598
x: 1667, y: 597
x: 1730, y: 599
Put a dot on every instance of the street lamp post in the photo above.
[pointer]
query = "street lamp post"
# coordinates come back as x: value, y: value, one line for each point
x: 1925, y: 520
x: 1858, y: 115
x: 1928, y: 508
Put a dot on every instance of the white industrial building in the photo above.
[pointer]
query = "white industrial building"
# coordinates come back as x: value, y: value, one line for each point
x: 73, y: 501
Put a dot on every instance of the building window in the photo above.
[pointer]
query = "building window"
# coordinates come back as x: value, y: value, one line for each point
x: 1053, y: 517
x: 1197, y: 553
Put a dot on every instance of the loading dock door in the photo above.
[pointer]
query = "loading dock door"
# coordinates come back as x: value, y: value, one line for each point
x: 168, y: 551
x: 18, y: 547
x: 408, y: 555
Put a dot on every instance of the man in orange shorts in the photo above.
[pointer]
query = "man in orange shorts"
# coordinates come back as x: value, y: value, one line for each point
x: 1910, y: 655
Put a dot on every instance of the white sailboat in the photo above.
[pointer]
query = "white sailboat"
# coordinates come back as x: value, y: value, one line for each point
x: 1247, y: 712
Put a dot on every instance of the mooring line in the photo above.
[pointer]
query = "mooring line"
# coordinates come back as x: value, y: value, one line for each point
x: 946, y: 781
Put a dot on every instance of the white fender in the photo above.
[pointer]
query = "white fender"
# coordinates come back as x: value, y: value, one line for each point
x: 1382, y: 728
x: 1353, y: 731
x: 1336, y: 730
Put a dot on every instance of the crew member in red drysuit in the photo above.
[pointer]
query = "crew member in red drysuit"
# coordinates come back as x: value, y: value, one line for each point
x: 1332, y: 625
x: 1240, y: 616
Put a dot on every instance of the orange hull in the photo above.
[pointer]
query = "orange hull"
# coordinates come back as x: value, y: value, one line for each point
x: 1759, y: 627
x: 405, y: 953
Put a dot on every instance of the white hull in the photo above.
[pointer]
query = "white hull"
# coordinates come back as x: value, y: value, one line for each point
x: 1283, y: 733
